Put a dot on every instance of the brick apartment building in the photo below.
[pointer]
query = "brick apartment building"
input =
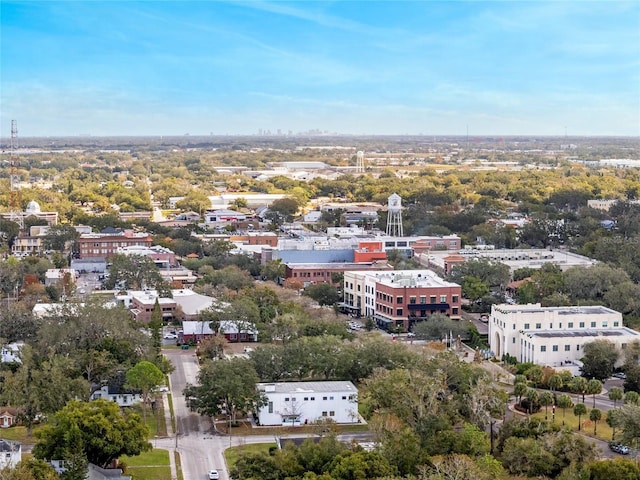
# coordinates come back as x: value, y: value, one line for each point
x: 107, y: 243
x: 400, y: 298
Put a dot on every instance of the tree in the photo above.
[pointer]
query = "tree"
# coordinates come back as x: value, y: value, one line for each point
x: 225, y: 385
x: 195, y: 201
x: 615, y: 394
x: 474, y: 288
x: 600, y: 357
x: 546, y: 400
x: 629, y: 420
x: 594, y: 387
x: 613, y: 420
x: 58, y: 237
x: 564, y: 402
x: 579, y: 410
x: 134, y: 271
x: 31, y: 469
x: 631, y: 398
x: 323, y: 293
x: 144, y: 376
x: 595, y: 416
x: 97, y: 428
x: 616, y: 468
x: 578, y: 385
x: 438, y: 326
x: 555, y: 382
x: 42, y: 386
x: 519, y: 389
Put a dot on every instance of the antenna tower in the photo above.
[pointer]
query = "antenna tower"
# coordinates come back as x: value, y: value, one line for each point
x: 14, y: 199
x: 360, y: 162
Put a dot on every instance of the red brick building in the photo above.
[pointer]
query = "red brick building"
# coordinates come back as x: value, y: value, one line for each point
x: 106, y: 244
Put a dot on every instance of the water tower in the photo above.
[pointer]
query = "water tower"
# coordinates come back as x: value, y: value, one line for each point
x: 394, y: 216
x: 360, y: 162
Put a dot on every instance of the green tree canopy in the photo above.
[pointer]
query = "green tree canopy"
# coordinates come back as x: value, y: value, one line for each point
x: 97, y: 429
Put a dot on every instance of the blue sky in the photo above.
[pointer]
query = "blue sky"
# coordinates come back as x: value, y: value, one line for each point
x: 169, y: 68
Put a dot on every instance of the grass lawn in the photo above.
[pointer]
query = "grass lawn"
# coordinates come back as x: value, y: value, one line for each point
x: 19, y: 434
x: 155, y: 420
x: 232, y: 454
x: 153, y: 465
x: 603, y: 431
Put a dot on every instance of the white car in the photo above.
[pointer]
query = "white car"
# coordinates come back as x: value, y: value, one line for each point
x: 170, y: 336
x: 82, y: 291
x: 214, y: 475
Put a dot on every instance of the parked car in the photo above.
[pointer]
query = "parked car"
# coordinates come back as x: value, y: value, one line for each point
x: 619, y: 448
x: 214, y: 475
x: 170, y: 336
x: 621, y: 375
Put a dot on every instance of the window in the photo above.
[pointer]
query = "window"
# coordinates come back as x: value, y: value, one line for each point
x: 293, y: 399
x: 543, y: 348
x: 423, y: 299
x: 526, y: 326
x: 286, y: 399
x: 313, y: 399
x: 330, y: 398
x: 560, y: 325
x: 538, y: 326
x: 616, y: 324
x: 306, y: 399
x: 432, y: 298
x: 443, y: 299
x: 570, y: 324
x: 577, y: 347
x: 324, y: 398
x: 399, y: 312
x: 550, y: 326
x: 344, y: 397
x: 567, y: 348
x: 514, y: 339
x: 412, y: 299
x: 593, y: 324
x: 454, y: 311
x: 399, y: 300
x: 605, y: 324
x: 270, y: 407
x: 454, y: 299
x: 332, y: 413
x: 324, y: 414
x: 555, y: 348
x: 581, y: 325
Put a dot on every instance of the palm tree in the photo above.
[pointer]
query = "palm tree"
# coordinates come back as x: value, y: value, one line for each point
x: 594, y: 387
x: 615, y: 394
x: 546, y: 399
x: 555, y: 382
x: 519, y: 390
x: 613, y: 420
x: 579, y: 386
x: 564, y: 402
x: 579, y: 410
x: 595, y: 415
x: 631, y: 398
x: 532, y: 397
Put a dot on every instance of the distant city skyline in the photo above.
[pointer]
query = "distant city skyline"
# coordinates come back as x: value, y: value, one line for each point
x: 359, y: 68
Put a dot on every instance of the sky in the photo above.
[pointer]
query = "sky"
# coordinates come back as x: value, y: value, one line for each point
x: 224, y: 68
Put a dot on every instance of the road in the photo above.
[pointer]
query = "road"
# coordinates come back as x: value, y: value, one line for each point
x: 199, y: 447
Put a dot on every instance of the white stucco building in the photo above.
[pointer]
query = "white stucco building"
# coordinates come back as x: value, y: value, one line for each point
x: 553, y: 336
x: 300, y: 403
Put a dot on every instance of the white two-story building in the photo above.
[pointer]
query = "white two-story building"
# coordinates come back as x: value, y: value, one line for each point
x: 554, y: 336
x: 301, y: 403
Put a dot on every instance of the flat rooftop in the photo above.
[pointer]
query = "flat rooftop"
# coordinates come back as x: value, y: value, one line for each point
x: 309, y: 387
x: 613, y: 332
